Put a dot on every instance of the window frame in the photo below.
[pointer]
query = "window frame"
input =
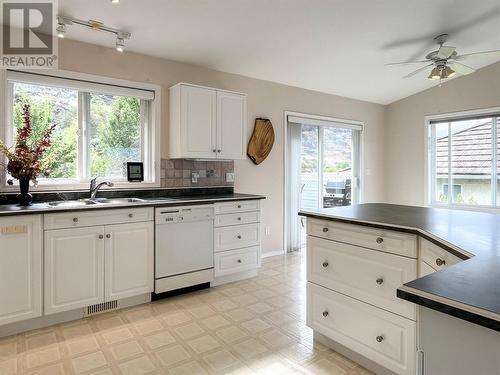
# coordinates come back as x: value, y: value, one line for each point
x: 150, y: 132
x: 430, y: 152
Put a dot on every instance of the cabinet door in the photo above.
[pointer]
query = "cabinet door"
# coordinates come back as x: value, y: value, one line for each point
x: 20, y: 268
x: 231, y: 125
x: 74, y: 268
x: 198, y: 122
x: 129, y: 260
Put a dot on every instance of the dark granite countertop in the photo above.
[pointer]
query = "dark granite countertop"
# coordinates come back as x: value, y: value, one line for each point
x: 469, y: 290
x: 153, y: 199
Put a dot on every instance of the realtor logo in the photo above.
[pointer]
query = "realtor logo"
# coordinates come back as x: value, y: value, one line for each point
x: 28, y: 34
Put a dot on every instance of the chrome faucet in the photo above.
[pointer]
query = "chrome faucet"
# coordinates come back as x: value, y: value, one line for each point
x: 94, y: 186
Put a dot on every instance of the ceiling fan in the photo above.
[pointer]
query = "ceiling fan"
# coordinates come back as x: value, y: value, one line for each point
x: 445, y: 61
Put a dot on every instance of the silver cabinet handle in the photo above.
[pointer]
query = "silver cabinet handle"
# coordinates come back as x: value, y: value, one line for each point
x: 131, y: 215
x: 379, y: 338
x: 101, y: 236
x: 108, y: 235
x: 380, y: 281
x: 379, y: 240
x: 440, y: 262
x: 325, y: 264
x: 325, y: 230
x: 325, y: 313
x: 75, y: 220
x: 239, y: 260
x: 239, y: 236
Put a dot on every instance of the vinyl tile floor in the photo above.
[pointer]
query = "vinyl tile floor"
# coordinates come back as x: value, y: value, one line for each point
x: 255, y: 326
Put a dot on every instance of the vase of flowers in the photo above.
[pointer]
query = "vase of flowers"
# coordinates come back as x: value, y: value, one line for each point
x: 26, y: 162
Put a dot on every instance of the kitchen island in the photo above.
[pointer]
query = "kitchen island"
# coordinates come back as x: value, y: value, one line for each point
x: 458, y: 315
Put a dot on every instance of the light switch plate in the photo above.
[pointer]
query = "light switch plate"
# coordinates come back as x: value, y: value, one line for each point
x: 230, y: 177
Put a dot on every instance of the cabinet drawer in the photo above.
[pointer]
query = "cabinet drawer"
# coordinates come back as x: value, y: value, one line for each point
x: 435, y: 256
x: 237, y: 206
x: 97, y: 217
x: 236, y: 237
x: 368, y: 275
x: 385, y: 338
x: 237, y: 218
x: 234, y: 261
x: 373, y: 238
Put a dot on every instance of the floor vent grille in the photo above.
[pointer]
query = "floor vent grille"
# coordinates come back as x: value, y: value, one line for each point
x: 100, y: 308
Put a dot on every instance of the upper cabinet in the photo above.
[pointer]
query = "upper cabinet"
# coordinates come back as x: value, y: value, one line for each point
x: 207, y: 123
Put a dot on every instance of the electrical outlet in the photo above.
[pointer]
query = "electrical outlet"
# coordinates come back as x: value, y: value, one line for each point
x: 268, y: 231
x: 230, y: 177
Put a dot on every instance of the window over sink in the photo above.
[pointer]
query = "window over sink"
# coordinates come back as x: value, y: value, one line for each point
x: 99, y: 126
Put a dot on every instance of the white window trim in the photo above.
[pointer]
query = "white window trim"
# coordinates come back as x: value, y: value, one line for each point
x: 428, y: 170
x: 153, y: 159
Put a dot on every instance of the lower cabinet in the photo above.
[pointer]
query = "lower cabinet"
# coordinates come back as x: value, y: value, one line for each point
x: 20, y: 268
x: 91, y: 265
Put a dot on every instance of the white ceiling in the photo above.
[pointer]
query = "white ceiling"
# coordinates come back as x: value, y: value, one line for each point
x: 334, y: 46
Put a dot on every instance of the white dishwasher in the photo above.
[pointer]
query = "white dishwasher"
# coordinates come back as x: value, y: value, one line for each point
x: 184, y: 247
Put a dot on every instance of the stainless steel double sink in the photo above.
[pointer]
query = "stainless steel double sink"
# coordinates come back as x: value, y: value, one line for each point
x: 94, y: 201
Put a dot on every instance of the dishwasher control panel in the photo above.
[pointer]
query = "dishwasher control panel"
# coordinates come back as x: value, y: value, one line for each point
x: 168, y: 215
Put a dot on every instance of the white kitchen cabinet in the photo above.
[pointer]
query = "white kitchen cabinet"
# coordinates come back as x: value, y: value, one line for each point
x: 74, y: 268
x: 231, y: 125
x: 207, y: 123
x: 129, y: 260
x: 20, y: 268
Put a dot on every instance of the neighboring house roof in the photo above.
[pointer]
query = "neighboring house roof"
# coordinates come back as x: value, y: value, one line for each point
x: 470, y: 152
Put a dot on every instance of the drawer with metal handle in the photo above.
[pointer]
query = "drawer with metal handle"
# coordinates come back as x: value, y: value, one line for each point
x: 97, y: 217
x: 236, y: 206
x: 435, y: 256
x: 236, y: 237
x: 234, y: 261
x: 383, y: 337
x: 374, y: 238
x: 365, y: 274
x: 237, y: 218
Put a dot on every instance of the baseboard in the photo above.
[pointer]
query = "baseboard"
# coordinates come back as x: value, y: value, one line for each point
x: 63, y: 317
x: 268, y: 254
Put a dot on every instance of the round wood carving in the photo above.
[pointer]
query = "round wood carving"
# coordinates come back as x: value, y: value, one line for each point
x: 262, y: 140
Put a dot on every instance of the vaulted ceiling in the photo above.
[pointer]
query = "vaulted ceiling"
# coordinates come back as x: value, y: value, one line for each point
x: 333, y: 46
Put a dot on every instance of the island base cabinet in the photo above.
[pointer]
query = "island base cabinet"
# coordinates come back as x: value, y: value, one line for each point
x: 129, y: 260
x: 20, y: 268
x: 74, y: 268
x: 382, y: 337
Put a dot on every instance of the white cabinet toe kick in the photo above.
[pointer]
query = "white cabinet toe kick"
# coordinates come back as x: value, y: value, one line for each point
x: 353, y: 272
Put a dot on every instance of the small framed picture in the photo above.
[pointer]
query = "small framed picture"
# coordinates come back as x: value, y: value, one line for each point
x: 135, y: 171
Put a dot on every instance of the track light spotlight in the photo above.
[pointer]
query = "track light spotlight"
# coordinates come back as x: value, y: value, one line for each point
x: 61, y: 30
x: 120, y: 44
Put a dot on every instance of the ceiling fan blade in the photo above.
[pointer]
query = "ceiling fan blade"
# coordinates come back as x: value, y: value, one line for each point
x: 445, y: 52
x: 407, y: 62
x: 484, y: 53
x: 461, y: 68
x: 417, y: 71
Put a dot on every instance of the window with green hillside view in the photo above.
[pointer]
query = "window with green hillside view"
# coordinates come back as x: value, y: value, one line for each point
x: 95, y: 133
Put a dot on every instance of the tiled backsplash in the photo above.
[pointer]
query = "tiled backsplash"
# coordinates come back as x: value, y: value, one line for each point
x: 178, y: 173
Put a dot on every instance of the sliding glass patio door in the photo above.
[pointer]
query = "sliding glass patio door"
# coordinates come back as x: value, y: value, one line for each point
x: 323, y: 169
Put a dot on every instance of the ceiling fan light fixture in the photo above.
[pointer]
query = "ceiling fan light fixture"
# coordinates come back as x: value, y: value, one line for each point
x: 435, y: 73
x: 448, y: 72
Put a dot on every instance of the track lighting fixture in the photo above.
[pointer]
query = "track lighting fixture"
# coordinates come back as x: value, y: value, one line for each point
x: 64, y: 21
x: 115, y: 1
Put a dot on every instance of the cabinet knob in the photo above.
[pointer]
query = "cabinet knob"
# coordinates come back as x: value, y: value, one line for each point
x: 379, y: 338
x: 131, y: 215
x: 380, y: 281
x: 325, y: 230
x: 219, y: 150
x: 325, y: 313
x: 214, y: 150
x: 325, y: 264
x: 75, y: 220
x: 239, y: 219
x: 440, y: 262
x: 101, y: 236
x: 239, y: 206
x: 239, y: 260
x: 108, y: 235
x: 239, y: 236
x: 379, y: 240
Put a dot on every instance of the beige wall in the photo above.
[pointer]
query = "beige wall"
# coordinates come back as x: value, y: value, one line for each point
x: 265, y: 99
x: 405, y: 131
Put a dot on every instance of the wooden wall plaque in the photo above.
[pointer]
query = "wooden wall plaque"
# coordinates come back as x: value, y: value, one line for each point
x: 262, y: 140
